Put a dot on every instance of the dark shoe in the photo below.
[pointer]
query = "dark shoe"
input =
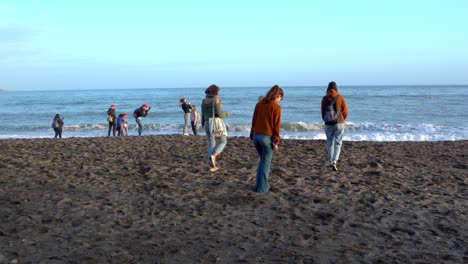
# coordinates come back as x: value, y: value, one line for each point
x: 334, y: 168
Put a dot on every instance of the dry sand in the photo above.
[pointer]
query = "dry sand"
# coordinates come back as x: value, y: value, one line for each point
x: 151, y: 199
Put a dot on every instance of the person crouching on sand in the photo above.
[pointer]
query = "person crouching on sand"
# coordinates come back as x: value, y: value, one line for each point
x: 334, y: 114
x: 265, y: 133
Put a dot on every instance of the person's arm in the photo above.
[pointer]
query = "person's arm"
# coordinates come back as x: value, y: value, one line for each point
x: 202, y: 115
x: 344, y: 108
x: 276, y: 126
x: 322, y: 108
x: 219, y: 109
x: 146, y: 112
x: 252, y: 127
x: 196, y: 117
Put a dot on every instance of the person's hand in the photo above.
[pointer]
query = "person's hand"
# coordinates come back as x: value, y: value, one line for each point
x: 275, y: 147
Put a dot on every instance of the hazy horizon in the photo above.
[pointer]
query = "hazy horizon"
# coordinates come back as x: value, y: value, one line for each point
x: 228, y: 87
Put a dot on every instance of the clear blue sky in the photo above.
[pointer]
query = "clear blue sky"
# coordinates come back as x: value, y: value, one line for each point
x: 87, y: 44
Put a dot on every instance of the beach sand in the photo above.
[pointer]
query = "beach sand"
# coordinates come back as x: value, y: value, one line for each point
x: 151, y: 199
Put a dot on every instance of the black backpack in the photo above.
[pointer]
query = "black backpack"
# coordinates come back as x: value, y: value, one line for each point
x: 332, y: 115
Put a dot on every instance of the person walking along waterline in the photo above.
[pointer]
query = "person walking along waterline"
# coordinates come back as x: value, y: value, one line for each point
x: 111, y: 118
x: 212, y: 103
x: 334, y: 113
x: 139, y: 113
x: 265, y: 133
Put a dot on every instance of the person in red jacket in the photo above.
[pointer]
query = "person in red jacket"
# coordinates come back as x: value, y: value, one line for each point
x: 265, y: 133
x: 334, y: 113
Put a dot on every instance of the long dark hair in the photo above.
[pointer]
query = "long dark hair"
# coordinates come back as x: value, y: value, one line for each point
x: 273, y: 93
x: 213, y: 90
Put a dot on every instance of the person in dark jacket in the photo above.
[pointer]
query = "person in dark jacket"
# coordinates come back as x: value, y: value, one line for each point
x: 57, y: 125
x: 186, y: 107
x: 111, y: 118
x: 139, y: 113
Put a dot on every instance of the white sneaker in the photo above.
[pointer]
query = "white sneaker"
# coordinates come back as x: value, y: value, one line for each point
x: 333, y: 166
x: 214, y: 169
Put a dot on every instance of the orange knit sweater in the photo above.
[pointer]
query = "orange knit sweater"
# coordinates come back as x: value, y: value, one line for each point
x: 267, y: 120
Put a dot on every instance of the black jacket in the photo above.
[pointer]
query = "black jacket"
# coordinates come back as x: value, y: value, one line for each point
x: 186, y: 107
x: 139, y: 112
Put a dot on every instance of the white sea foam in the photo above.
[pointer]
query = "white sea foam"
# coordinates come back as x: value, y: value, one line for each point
x: 375, y: 113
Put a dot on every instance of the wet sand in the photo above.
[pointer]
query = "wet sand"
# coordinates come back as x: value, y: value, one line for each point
x: 151, y: 199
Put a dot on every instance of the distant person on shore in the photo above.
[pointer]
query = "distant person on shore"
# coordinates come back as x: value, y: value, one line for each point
x: 122, y: 124
x: 265, y: 133
x: 139, y: 113
x: 186, y: 107
x: 334, y: 114
x: 211, y: 103
x: 57, y: 125
x: 111, y: 118
x: 260, y: 98
x: 194, y: 118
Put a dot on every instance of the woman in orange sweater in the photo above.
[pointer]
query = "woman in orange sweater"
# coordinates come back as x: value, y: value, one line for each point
x: 265, y: 133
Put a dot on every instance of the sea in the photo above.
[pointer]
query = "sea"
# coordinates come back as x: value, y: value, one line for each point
x: 376, y: 113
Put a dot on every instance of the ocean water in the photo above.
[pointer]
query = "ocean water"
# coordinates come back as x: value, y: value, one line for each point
x: 376, y: 113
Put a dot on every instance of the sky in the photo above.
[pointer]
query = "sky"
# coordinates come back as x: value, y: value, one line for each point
x: 89, y: 44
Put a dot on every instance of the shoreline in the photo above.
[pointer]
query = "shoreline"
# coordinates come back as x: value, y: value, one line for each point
x: 229, y: 137
x: 152, y: 199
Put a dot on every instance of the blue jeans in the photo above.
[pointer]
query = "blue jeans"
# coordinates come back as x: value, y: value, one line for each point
x: 264, y: 146
x: 334, y: 139
x: 140, y: 125
x: 111, y: 128
x: 215, y: 144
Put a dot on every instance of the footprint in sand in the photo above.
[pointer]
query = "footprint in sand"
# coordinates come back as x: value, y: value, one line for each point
x: 374, y: 168
x: 403, y: 230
